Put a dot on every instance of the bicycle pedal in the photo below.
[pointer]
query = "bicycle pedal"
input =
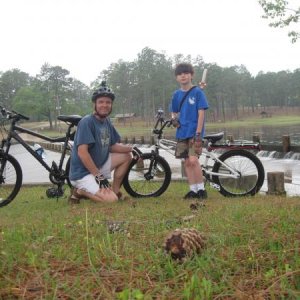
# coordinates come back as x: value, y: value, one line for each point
x: 215, y: 186
x: 54, y: 192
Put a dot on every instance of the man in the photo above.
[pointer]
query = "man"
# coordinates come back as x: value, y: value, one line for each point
x: 188, y: 107
x: 97, y: 151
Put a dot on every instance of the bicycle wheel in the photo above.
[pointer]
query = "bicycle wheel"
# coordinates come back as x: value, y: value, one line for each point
x: 250, y: 169
x: 10, y: 178
x: 148, y: 177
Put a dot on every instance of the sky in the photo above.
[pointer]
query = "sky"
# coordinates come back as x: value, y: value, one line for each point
x: 86, y: 36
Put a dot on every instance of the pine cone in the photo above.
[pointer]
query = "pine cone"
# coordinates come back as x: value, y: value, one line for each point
x: 184, y: 242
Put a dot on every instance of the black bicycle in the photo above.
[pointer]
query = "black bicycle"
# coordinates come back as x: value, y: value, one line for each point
x: 10, y: 170
x: 230, y: 167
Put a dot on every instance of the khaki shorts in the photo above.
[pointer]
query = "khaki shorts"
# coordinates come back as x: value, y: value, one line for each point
x: 185, y: 148
x: 88, y: 182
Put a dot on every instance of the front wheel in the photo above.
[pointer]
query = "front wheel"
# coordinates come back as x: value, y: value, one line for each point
x: 150, y: 176
x: 10, y: 178
x: 250, y: 172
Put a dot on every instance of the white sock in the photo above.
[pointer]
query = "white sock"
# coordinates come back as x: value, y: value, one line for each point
x: 200, y: 186
x: 194, y: 187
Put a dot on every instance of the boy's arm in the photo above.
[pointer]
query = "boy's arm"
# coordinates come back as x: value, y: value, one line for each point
x: 201, y: 113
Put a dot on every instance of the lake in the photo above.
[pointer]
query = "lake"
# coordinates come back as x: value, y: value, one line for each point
x: 267, y: 134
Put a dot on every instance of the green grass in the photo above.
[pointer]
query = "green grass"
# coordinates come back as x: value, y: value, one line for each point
x: 258, y: 121
x: 50, y: 250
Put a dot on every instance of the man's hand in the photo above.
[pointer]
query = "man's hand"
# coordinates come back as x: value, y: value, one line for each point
x: 136, y: 153
x: 175, y: 122
x: 102, y: 181
x: 198, y: 143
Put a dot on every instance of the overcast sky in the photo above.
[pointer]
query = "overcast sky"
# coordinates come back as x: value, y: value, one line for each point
x: 86, y: 36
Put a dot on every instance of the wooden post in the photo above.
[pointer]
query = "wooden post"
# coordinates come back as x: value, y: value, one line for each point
x: 286, y: 143
x: 183, y: 174
x: 276, y: 183
x: 230, y: 138
x: 256, y: 138
x: 133, y: 140
x: 126, y: 140
x: 152, y: 141
x: 142, y: 140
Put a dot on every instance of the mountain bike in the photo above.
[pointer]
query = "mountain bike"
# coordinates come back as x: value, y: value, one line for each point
x: 230, y: 167
x: 10, y: 170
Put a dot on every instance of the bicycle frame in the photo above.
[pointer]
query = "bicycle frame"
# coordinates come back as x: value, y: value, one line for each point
x: 207, y: 152
x: 55, y: 172
x: 6, y: 144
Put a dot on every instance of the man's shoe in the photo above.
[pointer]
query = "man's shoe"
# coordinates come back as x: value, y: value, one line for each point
x: 202, y: 194
x: 191, y: 195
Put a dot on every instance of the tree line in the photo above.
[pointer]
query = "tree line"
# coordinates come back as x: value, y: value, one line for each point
x: 146, y: 84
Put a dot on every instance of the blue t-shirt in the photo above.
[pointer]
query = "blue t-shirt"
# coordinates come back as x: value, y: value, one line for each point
x: 99, y: 136
x: 188, y: 116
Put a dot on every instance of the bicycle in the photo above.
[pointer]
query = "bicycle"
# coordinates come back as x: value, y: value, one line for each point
x: 11, y: 175
x: 229, y: 167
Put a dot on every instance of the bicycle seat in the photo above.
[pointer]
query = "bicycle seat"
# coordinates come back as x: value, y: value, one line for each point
x: 214, y: 137
x: 73, y: 119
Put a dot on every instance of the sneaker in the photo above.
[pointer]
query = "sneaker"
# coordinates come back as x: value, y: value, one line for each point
x: 201, y: 194
x: 191, y: 195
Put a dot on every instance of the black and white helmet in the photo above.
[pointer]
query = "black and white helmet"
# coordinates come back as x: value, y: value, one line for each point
x: 103, y: 91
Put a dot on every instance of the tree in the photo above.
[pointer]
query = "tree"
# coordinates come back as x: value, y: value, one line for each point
x: 282, y: 14
x: 55, y: 86
x: 10, y: 82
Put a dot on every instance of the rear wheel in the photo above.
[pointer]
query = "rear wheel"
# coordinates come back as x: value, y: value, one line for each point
x: 10, y: 178
x: 247, y: 165
x: 150, y: 176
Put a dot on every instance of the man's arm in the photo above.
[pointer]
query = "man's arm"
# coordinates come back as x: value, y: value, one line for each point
x: 86, y: 159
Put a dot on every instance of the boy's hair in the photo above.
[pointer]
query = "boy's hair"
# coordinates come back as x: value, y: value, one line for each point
x: 184, y: 68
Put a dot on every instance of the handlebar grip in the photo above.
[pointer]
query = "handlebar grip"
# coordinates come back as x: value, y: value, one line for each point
x: 20, y: 115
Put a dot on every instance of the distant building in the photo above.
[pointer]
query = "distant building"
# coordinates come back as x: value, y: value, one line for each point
x: 121, y: 118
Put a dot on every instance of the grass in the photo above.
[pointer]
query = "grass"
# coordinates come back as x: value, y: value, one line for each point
x: 50, y: 250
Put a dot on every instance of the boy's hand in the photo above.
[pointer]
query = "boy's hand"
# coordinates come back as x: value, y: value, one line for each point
x: 198, y: 143
x: 202, y: 85
x: 175, y: 122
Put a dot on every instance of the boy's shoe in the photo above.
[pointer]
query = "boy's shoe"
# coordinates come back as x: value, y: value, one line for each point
x: 202, y: 194
x: 191, y: 195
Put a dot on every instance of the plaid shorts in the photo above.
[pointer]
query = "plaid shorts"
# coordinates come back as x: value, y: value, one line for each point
x: 185, y: 148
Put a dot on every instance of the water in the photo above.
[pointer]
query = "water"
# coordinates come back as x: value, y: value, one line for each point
x: 267, y: 134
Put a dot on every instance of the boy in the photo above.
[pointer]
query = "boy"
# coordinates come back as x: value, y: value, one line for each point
x: 189, y: 117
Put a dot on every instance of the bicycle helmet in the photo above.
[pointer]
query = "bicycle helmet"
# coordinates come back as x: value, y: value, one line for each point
x: 103, y: 91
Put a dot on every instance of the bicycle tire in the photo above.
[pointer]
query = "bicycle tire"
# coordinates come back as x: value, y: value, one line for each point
x: 67, y: 171
x: 251, y: 171
x: 148, y: 177
x: 10, y: 179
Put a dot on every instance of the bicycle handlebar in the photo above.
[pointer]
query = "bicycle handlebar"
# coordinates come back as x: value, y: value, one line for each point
x: 12, y: 114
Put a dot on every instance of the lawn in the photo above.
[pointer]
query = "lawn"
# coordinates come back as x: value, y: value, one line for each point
x: 51, y: 250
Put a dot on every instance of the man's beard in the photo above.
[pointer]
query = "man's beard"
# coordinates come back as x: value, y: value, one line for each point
x: 102, y: 116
